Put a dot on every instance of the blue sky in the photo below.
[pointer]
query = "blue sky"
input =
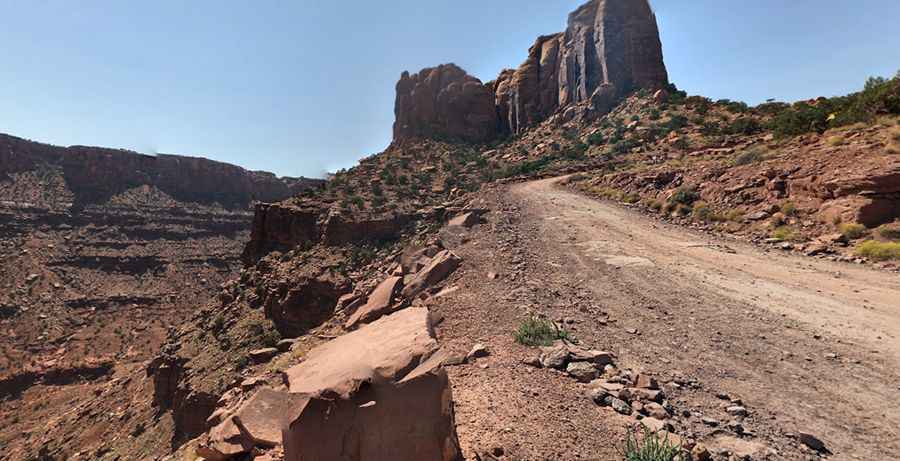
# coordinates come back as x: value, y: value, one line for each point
x: 302, y: 87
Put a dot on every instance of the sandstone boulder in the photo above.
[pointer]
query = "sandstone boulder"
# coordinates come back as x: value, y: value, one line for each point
x: 376, y: 393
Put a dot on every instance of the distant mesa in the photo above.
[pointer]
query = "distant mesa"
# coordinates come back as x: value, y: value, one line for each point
x: 95, y: 174
x: 610, y: 48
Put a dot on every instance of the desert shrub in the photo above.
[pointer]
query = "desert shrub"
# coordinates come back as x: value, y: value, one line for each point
x: 676, y: 122
x: 650, y: 446
x: 852, y: 231
x: 735, y: 216
x: 596, y: 139
x: 711, y: 128
x: 576, y: 152
x: 788, y: 208
x: 676, y: 96
x: 654, y: 205
x: 702, y: 211
x: 631, y: 198
x: 880, y: 96
x: 771, y: 108
x: 526, y: 168
x: 835, y: 141
x: 889, y: 231
x: 752, y: 155
x: 539, y: 332
x: 683, y: 143
x: 685, y: 195
x: 744, y: 125
x: 735, y: 107
x: 262, y: 334
x: 879, y: 251
x: 785, y: 233
x: 654, y: 114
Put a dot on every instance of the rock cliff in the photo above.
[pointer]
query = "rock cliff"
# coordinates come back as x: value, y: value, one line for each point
x: 444, y: 101
x: 610, y: 48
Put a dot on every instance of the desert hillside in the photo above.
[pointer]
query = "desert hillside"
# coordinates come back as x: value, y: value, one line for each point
x: 574, y: 261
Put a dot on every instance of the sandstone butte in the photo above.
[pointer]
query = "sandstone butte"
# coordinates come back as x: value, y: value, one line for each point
x: 610, y: 48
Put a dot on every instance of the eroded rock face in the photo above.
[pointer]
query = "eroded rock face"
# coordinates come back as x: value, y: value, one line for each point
x: 444, y: 101
x: 280, y: 226
x: 610, y: 47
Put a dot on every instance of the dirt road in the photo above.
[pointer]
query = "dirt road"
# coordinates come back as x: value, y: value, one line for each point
x: 805, y: 344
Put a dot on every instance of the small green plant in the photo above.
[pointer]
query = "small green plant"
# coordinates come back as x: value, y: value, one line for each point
x: 650, y: 446
x: 539, y: 332
x: 879, y: 251
x: 852, y: 231
x: 655, y: 205
x: 835, y: 141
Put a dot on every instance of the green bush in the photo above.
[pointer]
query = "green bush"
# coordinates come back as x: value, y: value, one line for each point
x: 650, y: 446
x: 852, y: 231
x: 596, y: 139
x: 879, y: 251
x: 889, y: 231
x: 685, y: 195
x: 539, y: 332
x: 744, y: 125
x: 880, y: 96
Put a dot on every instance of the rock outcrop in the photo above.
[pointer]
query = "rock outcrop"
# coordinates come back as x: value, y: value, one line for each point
x: 282, y: 226
x: 444, y: 102
x: 610, y: 48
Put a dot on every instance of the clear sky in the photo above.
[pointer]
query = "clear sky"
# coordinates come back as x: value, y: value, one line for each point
x: 301, y: 87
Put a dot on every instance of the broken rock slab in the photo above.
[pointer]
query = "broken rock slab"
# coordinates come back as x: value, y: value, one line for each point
x: 440, y: 267
x: 380, y: 302
x: 377, y: 393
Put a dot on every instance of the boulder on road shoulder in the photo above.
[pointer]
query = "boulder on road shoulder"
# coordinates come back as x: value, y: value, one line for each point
x: 584, y: 372
x: 381, y: 388
x: 440, y: 266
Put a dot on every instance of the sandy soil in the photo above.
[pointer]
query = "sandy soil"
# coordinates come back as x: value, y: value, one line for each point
x: 806, y: 345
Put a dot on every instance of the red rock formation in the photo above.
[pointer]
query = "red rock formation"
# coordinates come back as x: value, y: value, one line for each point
x: 446, y: 102
x: 609, y: 48
x: 94, y: 174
